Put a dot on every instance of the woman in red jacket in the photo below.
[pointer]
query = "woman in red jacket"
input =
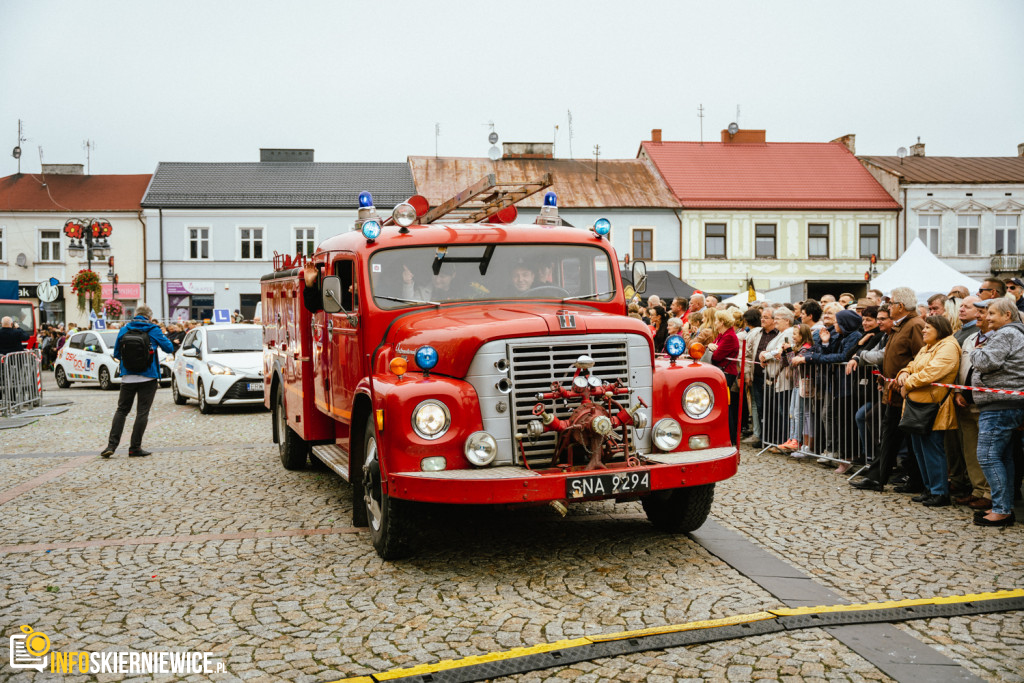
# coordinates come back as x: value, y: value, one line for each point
x: 724, y: 352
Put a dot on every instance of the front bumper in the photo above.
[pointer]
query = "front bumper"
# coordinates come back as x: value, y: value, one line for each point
x: 232, y: 390
x: 509, y: 485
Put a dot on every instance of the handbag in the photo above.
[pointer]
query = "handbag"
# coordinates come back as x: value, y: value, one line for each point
x: 918, y: 418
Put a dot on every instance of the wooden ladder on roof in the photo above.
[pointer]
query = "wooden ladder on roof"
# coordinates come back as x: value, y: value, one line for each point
x: 483, y: 199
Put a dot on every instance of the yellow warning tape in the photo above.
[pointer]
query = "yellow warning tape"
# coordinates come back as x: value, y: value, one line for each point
x: 952, y: 599
x: 675, y: 628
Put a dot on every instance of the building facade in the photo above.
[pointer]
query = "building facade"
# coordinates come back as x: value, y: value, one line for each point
x: 33, y: 247
x: 213, y: 228
x: 967, y: 210
x: 780, y: 214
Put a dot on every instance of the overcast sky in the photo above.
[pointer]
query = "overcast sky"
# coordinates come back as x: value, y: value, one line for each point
x: 368, y: 81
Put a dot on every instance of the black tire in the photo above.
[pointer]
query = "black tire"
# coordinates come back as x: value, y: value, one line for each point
x: 392, y: 521
x: 679, y: 511
x: 292, y: 447
x: 177, y: 396
x: 204, y: 406
x: 104, y: 378
x: 61, y: 377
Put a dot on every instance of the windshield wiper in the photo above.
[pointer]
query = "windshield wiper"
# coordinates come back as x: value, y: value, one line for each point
x: 406, y: 301
x: 587, y: 296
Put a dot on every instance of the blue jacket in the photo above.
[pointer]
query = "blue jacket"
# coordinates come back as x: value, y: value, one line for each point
x: 156, y: 339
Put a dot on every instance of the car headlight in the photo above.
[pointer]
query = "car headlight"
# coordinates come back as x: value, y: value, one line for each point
x: 698, y: 400
x: 667, y: 434
x: 219, y: 369
x: 481, y: 449
x: 431, y: 419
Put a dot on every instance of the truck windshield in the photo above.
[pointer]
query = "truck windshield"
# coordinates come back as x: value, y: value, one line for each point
x: 20, y: 312
x: 413, y: 276
x: 236, y: 340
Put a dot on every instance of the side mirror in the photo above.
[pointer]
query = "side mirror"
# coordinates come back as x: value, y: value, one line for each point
x: 639, y: 277
x: 332, y: 294
x: 189, y: 353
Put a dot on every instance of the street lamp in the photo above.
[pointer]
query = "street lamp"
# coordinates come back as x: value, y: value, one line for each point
x: 89, y: 237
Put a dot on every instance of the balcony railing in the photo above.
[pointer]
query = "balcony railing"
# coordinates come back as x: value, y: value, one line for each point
x: 1007, y: 263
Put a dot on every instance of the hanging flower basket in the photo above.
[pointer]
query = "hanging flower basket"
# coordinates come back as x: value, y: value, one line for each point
x: 113, y: 309
x: 84, y: 283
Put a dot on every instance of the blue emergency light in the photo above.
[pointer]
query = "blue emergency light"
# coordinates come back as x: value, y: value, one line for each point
x: 365, y: 199
x: 602, y: 226
x: 426, y: 357
x: 371, y: 230
x: 675, y: 346
x: 550, y: 199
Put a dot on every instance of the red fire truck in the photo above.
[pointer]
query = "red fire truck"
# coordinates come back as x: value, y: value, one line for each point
x: 485, y: 363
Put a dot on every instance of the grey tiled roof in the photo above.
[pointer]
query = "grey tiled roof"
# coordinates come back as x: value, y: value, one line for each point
x: 277, y: 185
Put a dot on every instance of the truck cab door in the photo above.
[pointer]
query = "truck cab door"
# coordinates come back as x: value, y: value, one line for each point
x: 343, y: 329
x: 321, y: 355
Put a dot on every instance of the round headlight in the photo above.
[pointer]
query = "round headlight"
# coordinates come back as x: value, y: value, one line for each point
x: 431, y: 419
x: 698, y: 400
x: 667, y: 434
x: 481, y: 448
x: 404, y: 214
x: 371, y: 230
x: 602, y: 226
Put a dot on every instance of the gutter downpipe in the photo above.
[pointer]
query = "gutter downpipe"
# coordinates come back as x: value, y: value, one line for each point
x: 161, y: 292
x: 905, y: 222
x: 679, y: 217
x: 143, y: 224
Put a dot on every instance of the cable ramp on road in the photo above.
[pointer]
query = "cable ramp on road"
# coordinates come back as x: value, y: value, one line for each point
x: 564, y: 652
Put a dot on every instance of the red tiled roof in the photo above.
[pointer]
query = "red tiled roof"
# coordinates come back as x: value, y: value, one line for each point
x: 770, y: 175
x: 61, y: 193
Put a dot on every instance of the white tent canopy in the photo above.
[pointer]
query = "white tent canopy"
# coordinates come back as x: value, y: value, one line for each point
x: 740, y: 299
x: 923, y: 272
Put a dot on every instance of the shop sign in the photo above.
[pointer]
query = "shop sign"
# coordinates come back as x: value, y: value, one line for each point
x: 189, y: 287
x: 125, y: 290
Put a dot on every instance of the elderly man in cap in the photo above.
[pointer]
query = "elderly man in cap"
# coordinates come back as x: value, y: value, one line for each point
x: 1015, y: 286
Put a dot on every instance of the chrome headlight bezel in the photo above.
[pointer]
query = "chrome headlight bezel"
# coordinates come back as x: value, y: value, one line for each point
x: 483, y: 438
x: 425, y: 432
x: 667, y: 434
x: 702, y: 407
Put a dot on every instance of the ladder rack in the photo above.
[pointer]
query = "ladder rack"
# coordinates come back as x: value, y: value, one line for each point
x: 483, y: 199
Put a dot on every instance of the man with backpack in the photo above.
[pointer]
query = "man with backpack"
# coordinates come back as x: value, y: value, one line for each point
x: 140, y: 374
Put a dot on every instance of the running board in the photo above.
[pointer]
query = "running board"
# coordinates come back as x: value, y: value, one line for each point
x: 334, y: 457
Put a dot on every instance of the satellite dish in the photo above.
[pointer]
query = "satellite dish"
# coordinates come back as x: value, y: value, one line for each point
x: 22, y: 260
x: 492, y: 138
x: 16, y: 152
x: 734, y: 128
x: 494, y: 153
x: 901, y: 152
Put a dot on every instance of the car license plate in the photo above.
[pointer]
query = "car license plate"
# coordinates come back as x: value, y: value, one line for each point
x: 254, y: 386
x: 608, y: 484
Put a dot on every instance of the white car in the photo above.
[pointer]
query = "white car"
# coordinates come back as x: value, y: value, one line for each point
x: 86, y: 357
x: 219, y: 365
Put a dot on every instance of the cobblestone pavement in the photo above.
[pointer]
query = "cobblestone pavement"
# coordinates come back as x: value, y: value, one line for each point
x: 210, y: 544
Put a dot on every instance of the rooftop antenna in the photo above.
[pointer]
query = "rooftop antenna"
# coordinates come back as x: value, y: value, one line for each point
x: 437, y: 134
x: 16, y: 152
x: 42, y: 171
x: 700, y: 115
x: 737, y: 114
x: 597, y: 160
x: 554, y: 140
x: 88, y: 146
x: 570, y: 133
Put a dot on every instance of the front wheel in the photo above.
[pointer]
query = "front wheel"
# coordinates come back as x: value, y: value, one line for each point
x: 204, y: 406
x: 292, y: 447
x: 104, y: 377
x: 391, y: 521
x: 679, y: 511
x: 61, y: 377
x: 176, y: 395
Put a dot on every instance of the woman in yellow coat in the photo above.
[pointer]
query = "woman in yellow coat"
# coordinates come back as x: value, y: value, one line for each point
x: 937, y: 361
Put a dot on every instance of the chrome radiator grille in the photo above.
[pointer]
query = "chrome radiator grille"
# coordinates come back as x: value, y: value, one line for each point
x: 534, y: 366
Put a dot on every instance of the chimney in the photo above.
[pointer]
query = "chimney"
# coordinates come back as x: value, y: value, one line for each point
x: 1020, y: 150
x: 656, y: 135
x: 528, y: 150
x: 918, y: 149
x: 848, y: 141
x: 286, y: 155
x: 742, y: 136
x: 63, y: 169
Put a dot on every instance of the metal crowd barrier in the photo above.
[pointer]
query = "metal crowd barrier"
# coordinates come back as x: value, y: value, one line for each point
x: 828, y: 414
x: 21, y: 382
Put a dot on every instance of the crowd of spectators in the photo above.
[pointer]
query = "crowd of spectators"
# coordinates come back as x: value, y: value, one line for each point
x: 832, y: 380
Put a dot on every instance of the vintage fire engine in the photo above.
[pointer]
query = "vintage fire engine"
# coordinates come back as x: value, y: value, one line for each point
x: 485, y: 363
